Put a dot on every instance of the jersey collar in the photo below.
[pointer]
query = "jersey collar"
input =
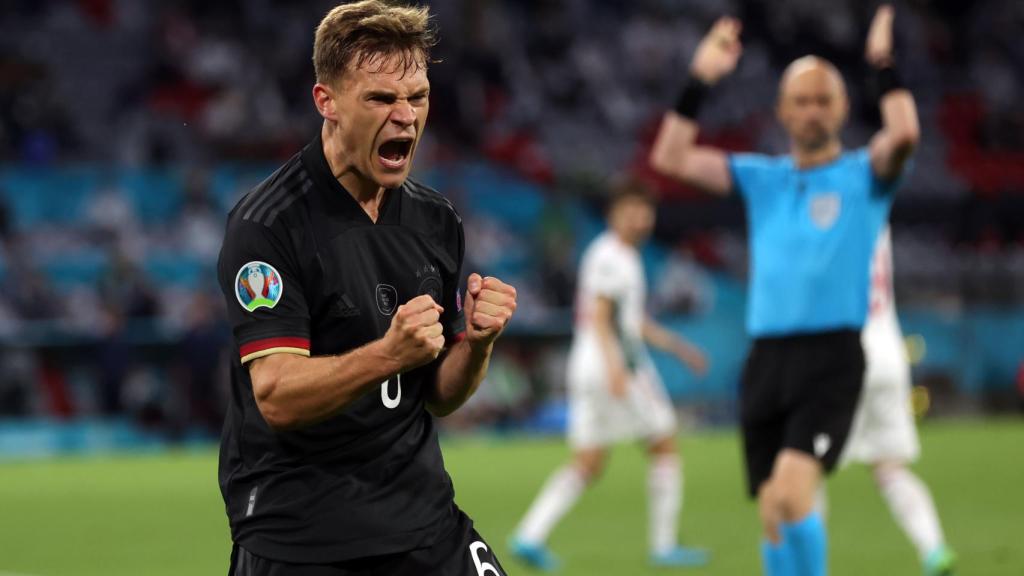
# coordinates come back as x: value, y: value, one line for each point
x: 336, y: 197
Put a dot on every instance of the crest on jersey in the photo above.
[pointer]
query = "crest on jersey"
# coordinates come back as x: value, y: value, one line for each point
x: 825, y: 209
x: 387, y: 299
x: 258, y: 285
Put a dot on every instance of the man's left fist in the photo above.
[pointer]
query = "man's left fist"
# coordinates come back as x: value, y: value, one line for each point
x: 489, y: 306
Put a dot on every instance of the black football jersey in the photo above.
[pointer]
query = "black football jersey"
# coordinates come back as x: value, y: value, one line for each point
x: 305, y: 271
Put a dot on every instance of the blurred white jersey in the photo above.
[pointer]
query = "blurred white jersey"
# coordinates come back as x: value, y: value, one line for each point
x: 883, y: 428
x: 612, y: 269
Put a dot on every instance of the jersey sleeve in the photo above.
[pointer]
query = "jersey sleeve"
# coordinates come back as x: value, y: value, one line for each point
x: 748, y: 172
x: 605, y: 275
x: 453, y: 319
x: 259, y: 276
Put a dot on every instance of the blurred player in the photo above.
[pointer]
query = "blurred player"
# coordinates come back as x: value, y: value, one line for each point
x: 615, y: 393
x: 883, y: 435
x: 814, y: 216
x: 341, y: 278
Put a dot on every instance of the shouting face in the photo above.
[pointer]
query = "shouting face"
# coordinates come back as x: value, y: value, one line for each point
x: 379, y: 110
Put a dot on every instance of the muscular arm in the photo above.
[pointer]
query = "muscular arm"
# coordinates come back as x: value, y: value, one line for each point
x: 892, y: 146
x: 293, y: 391
x: 675, y: 152
x: 489, y: 307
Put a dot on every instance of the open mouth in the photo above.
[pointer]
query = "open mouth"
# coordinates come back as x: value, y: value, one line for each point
x: 395, y: 153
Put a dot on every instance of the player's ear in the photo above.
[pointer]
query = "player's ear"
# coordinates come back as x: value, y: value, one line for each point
x: 325, y: 101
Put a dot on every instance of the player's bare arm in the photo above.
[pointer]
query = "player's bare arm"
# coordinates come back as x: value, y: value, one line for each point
x: 664, y: 339
x: 490, y: 304
x: 892, y: 146
x: 294, y: 391
x: 675, y: 152
x: 604, y: 327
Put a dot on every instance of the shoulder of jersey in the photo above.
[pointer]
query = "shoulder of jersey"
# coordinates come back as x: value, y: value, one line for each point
x: 429, y: 199
x: 271, y: 199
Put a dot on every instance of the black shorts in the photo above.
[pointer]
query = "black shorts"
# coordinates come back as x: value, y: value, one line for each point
x: 799, y: 392
x: 462, y: 552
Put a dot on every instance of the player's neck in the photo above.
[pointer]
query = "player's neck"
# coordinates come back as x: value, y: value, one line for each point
x: 367, y: 193
x: 624, y: 238
x: 810, y: 157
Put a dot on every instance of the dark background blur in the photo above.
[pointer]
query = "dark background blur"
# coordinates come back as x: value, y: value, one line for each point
x: 128, y: 130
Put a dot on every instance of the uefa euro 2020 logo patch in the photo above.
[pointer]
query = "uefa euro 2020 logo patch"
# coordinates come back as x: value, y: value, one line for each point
x: 258, y: 285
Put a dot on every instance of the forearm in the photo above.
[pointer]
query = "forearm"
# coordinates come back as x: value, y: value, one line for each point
x: 675, y: 152
x: 458, y: 377
x: 899, y: 136
x: 658, y: 337
x: 899, y: 118
x: 296, y: 391
x: 900, y: 133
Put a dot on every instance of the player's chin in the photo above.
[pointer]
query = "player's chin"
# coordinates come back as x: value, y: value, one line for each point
x: 390, y: 177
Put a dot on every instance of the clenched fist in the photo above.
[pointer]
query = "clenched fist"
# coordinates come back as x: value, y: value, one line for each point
x: 489, y: 306
x: 415, y: 336
x: 718, y: 51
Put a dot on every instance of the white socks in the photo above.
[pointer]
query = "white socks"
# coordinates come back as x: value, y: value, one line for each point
x: 911, y: 504
x: 564, y: 487
x: 556, y: 498
x: 665, y: 499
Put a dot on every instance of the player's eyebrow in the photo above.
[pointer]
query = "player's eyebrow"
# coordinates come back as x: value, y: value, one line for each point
x: 380, y: 95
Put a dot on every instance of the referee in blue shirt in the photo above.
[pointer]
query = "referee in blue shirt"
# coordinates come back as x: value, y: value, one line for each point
x: 813, y: 216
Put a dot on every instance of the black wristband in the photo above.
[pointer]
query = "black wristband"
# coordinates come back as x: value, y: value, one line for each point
x: 885, y: 80
x: 691, y: 97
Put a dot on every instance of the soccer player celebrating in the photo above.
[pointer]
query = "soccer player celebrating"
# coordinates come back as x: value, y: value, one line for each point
x: 884, y: 436
x: 615, y: 393
x: 813, y: 216
x: 341, y: 278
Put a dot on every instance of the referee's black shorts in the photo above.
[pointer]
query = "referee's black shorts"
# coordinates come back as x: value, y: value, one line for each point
x: 462, y: 552
x: 799, y: 392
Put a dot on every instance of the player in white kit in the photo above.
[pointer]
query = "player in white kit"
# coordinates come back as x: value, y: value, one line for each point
x: 884, y: 436
x: 615, y: 393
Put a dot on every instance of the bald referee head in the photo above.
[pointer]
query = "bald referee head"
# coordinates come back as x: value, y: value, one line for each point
x: 812, y: 105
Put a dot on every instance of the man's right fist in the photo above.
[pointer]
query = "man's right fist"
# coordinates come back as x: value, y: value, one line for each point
x: 718, y: 52
x: 415, y: 336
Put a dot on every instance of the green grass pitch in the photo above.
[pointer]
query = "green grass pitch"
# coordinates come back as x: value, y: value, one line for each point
x: 162, y: 514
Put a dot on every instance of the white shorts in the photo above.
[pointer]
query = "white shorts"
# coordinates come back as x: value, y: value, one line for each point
x: 598, y: 419
x: 883, y: 427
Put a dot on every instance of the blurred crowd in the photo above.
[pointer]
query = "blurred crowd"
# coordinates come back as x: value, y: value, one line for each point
x: 557, y: 94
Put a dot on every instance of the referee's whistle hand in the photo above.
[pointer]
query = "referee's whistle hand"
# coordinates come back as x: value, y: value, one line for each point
x: 416, y: 336
x: 490, y: 304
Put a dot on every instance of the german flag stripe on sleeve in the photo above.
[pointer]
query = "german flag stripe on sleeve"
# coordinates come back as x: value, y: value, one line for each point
x: 267, y: 346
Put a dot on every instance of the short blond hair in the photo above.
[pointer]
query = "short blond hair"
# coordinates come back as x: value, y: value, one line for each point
x: 372, y: 30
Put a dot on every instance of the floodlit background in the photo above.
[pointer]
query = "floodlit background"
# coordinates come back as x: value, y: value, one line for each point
x: 128, y: 129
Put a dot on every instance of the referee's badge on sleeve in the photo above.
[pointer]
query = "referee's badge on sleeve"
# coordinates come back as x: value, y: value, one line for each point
x: 258, y: 285
x: 825, y: 209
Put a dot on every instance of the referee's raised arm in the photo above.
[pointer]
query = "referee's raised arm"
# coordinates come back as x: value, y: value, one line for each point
x: 675, y: 153
x: 892, y: 146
